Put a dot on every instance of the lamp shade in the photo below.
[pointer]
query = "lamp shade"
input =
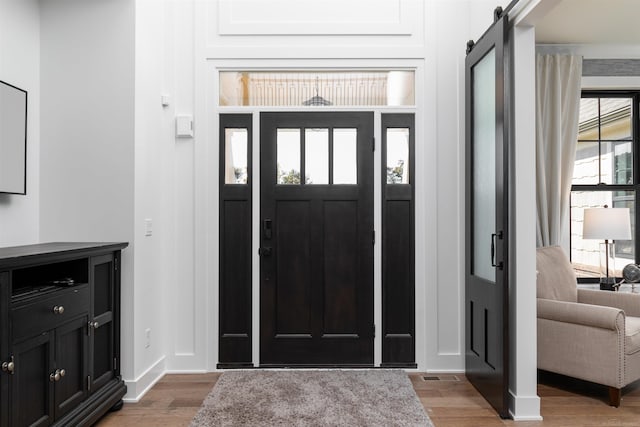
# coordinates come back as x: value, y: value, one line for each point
x: 607, y: 223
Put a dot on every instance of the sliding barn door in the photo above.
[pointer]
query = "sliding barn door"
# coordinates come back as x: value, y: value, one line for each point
x: 486, y: 301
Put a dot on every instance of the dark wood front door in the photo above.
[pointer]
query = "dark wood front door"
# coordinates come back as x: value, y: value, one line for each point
x: 316, y: 239
x: 487, y: 290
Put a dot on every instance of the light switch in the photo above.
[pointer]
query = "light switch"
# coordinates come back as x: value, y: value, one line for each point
x: 184, y: 126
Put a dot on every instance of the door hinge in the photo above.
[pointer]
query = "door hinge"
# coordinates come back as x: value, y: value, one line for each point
x: 88, y: 382
x: 115, y: 363
x: 373, y: 144
x: 115, y: 264
x: 373, y: 237
x: 373, y: 330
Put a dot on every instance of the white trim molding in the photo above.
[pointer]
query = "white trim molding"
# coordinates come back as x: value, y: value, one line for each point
x: 137, y: 388
x: 524, y: 408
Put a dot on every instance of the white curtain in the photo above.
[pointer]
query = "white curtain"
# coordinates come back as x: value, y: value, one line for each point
x: 558, y: 79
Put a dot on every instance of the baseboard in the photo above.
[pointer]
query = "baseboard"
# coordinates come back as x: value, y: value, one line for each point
x: 137, y: 388
x: 524, y: 408
x: 188, y: 371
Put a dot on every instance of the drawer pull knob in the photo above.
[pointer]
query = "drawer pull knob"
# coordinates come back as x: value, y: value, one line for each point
x: 9, y: 367
x: 58, y: 309
x: 57, y: 375
x: 94, y: 325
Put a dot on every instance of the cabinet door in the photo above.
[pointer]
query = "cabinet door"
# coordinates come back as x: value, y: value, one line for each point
x: 5, y: 356
x: 102, y: 341
x: 71, y: 362
x: 31, y: 391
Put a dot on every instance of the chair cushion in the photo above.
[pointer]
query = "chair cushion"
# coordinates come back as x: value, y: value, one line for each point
x: 556, y: 279
x: 632, y: 334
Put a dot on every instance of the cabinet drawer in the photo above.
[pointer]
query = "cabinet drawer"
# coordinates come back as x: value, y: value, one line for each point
x: 41, y: 315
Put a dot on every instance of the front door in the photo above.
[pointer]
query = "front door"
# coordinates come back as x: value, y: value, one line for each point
x: 316, y: 239
x: 486, y: 290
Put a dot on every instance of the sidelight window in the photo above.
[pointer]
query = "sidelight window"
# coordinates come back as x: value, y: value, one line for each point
x: 235, y: 153
x: 397, y: 156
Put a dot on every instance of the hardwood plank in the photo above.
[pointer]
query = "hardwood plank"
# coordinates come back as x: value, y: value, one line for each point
x: 565, y: 402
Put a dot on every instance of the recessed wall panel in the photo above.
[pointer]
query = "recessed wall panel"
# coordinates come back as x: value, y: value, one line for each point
x: 326, y: 17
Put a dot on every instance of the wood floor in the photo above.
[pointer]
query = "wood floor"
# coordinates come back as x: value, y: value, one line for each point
x: 449, y: 400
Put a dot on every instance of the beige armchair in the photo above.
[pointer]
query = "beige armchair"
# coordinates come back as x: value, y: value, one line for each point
x: 588, y: 334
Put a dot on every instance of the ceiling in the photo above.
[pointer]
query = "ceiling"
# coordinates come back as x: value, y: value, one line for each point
x: 591, y: 21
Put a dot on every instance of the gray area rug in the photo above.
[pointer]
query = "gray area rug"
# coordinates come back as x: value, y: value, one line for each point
x: 312, y: 398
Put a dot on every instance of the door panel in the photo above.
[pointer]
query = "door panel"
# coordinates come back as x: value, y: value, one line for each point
x: 316, y: 241
x: 5, y: 356
x: 486, y: 289
x: 340, y: 267
x: 293, y: 273
x: 31, y: 390
x: 100, y: 366
x: 71, y: 351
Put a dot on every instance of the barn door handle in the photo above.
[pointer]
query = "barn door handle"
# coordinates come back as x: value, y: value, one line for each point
x: 493, y: 250
x: 266, y: 227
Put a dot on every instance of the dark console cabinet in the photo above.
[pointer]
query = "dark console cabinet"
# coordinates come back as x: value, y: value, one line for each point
x: 60, y: 333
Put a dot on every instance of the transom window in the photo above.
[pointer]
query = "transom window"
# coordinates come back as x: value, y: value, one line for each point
x: 604, y: 174
x: 317, y: 88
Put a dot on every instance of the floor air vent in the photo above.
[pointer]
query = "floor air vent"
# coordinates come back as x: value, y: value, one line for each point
x: 440, y: 378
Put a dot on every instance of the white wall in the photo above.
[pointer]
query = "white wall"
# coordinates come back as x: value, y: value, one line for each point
x: 20, y: 66
x: 154, y: 194
x: 87, y: 129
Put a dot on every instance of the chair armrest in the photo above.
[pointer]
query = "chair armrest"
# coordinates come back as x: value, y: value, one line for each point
x: 581, y: 314
x: 628, y: 302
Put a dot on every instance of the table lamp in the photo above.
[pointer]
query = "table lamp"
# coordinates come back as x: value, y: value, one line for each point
x: 607, y: 224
